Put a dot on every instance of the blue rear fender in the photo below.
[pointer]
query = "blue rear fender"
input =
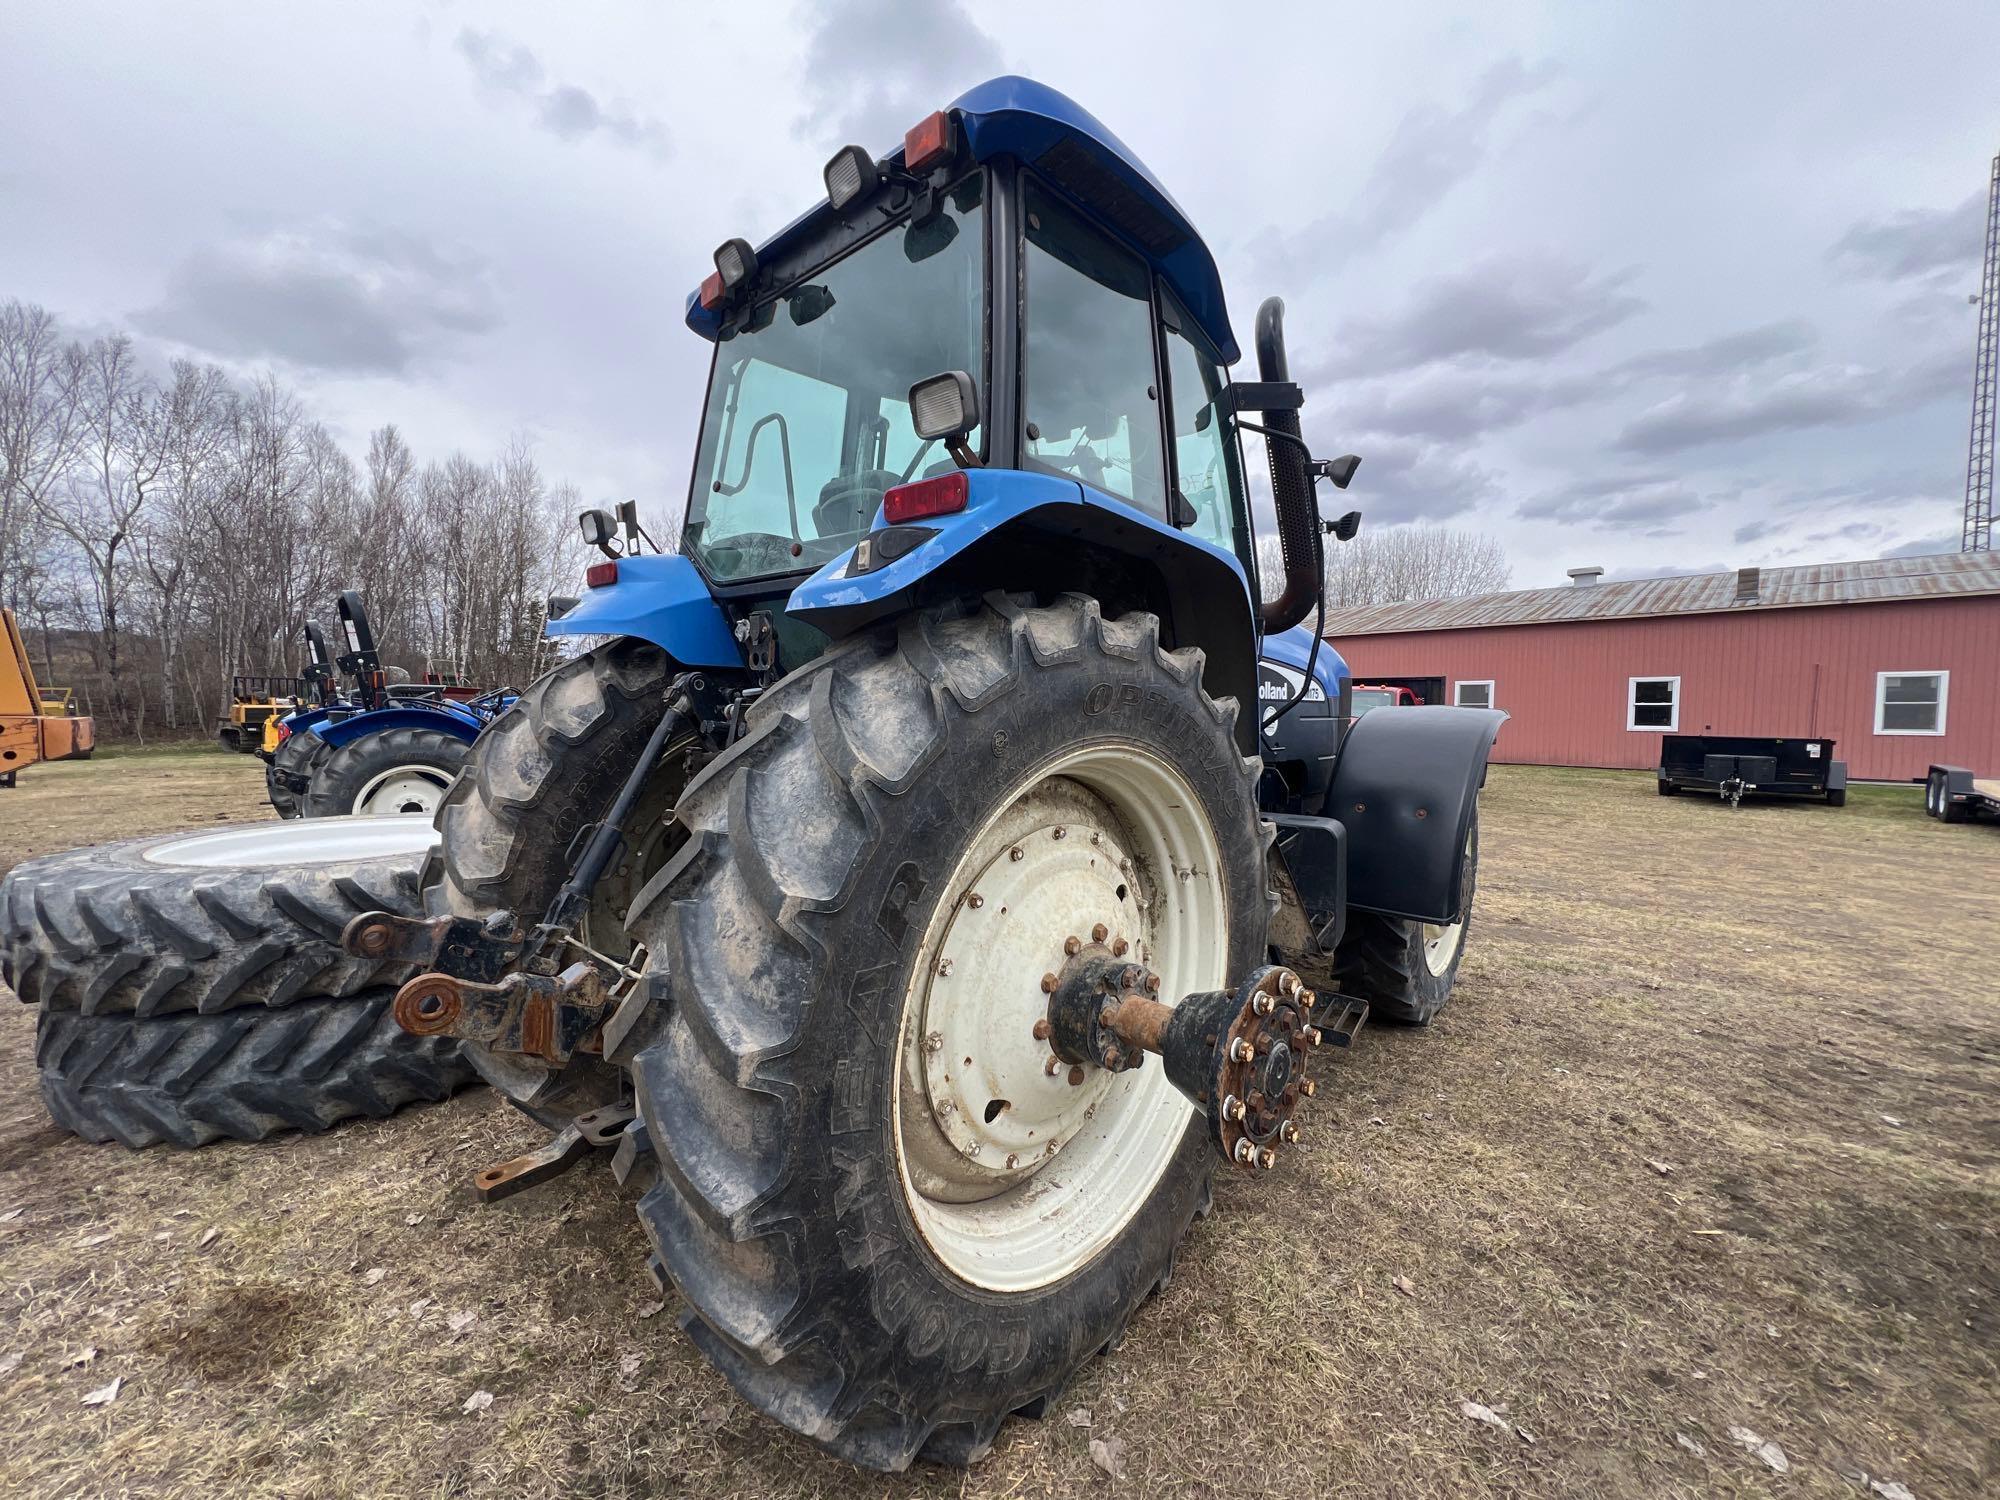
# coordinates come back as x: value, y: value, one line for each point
x: 447, y: 720
x: 1047, y: 533
x: 662, y: 599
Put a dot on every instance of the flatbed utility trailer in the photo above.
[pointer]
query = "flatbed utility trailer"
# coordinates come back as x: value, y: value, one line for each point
x: 1952, y: 794
x: 33, y: 725
x: 1734, y: 766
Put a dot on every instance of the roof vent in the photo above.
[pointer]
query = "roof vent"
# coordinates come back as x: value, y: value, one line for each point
x: 1746, y: 584
x: 1584, y: 577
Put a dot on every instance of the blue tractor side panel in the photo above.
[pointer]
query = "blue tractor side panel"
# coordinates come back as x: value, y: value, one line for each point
x: 661, y: 599
x: 1012, y: 116
x: 995, y: 498
x: 1301, y: 749
x: 448, y: 719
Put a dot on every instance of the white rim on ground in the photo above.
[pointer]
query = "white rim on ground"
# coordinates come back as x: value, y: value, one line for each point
x: 297, y: 841
x: 1441, y: 942
x: 401, y: 791
x: 1016, y: 1178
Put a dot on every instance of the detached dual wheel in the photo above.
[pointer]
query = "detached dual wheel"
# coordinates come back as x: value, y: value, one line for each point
x: 192, y: 988
x: 894, y: 1216
x: 395, y: 773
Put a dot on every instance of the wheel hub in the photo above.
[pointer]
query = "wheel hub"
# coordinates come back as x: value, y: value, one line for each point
x: 993, y: 1096
x: 404, y: 791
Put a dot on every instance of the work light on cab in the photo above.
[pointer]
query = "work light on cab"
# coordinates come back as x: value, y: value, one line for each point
x: 735, y: 263
x: 849, y: 175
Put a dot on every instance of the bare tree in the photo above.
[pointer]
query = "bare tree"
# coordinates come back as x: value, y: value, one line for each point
x: 1413, y: 563
x: 40, y: 381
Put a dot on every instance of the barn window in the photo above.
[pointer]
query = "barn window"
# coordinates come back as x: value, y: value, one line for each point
x: 1473, y: 694
x: 1653, y: 703
x: 1910, y: 702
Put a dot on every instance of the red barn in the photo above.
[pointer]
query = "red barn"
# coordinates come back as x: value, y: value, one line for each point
x: 1897, y: 661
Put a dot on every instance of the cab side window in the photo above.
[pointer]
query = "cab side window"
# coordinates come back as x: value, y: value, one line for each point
x: 1205, y: 478
x: 1089, y: 393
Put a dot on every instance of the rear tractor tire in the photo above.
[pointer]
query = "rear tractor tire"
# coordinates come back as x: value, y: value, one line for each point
x: 1404, y: 969
x: 543, y: 771
x: 397, y: 772
x: 893, y: 1216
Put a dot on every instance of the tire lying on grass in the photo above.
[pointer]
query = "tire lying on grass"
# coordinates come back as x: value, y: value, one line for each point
x: 245, y: 1074
x: 398, y: 771
x: 207, y: 922
x: 1404, y: 969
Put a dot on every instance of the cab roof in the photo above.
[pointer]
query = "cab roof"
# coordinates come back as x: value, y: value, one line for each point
x: 1047, y: 130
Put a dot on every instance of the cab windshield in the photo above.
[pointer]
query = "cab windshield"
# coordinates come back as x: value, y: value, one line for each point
x: 808, y: 418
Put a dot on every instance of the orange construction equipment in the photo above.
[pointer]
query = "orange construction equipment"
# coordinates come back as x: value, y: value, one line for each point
x: 27, y: 733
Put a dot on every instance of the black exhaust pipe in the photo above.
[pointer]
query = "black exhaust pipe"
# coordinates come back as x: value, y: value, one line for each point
x: 1299, y: 541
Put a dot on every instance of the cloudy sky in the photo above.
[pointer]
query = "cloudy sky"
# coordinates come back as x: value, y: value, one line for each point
x: 1655, y: 287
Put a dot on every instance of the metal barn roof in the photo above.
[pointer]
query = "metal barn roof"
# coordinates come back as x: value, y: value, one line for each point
x: 1942, y: 576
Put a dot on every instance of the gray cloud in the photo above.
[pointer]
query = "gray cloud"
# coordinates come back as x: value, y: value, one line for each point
x: 1928, y: 546
x: 1914, y: 242
x: 873, y: 68
x: 1717, y: 356
x: 1757, y: 531
x: 326, y: 297
x: 1406, y: 479
x: 1455, y: 401
x: 1646, y: 504
x: 1431, y: 151
x: 508, y: 73
x: 1524, y: 306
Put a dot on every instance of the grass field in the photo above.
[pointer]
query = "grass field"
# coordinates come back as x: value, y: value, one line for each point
x: 1708, y: 1139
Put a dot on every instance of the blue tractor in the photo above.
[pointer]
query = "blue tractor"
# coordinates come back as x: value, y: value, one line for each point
x: 380, y: 748
x: 953, y: 854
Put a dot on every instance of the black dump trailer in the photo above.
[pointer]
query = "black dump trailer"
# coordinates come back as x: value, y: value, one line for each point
x: 1734, y: 766
x: 1953, y: 794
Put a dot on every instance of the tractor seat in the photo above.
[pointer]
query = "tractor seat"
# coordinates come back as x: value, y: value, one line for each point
x: 848, y: 502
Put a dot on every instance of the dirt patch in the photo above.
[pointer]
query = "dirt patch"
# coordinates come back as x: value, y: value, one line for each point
x: 242, y: 1331
x: 1791, y: 1010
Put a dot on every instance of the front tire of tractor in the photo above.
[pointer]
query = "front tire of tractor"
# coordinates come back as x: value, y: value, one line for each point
x: 892, y: 1224
x: 541, y: 773
x: 1403, y: 969
x: 399, y: 771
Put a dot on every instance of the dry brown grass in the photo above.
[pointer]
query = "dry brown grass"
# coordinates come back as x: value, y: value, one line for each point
x: 1741, y: 996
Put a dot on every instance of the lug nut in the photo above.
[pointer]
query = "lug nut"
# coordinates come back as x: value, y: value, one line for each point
x: 975, y: 901
x: 944, y: 969
x: 1308, y: 1087
x: 1246, y: 1153
x: 1071, y: 944
x: 1288, y: 1133
x: 1052, y: 1067
x: 1049, y: 983
x: 1232, y: 1108
x: 934, y: 1042
x: 1099, y: 933
x: 1043, y: 1029
x: 1267, y: 1158
x: 1152, y: 984
x: 1262, y: 1004
x: 1138, y: 1061
x: 1312, y: 1036
x: 1118, y: 948
x: 1113, y: 1059
x: 1307, y: 1000
x: 1013, y: 853
x: 1062, y: 833
x: 1076, y: 1075
x: 1240, y: 1050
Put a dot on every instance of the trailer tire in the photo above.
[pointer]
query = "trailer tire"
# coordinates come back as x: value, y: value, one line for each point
x: 209, y: 922
x: 829, y: 858
x: 399, y: 771
x: 1403, y: 969
x: 540, y: 773
x: 290, y: 771
x: 188, y: 1079
x: 1668, y: 788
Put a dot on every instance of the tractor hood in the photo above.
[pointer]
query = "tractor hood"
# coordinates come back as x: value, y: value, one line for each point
x: 1013, y: 116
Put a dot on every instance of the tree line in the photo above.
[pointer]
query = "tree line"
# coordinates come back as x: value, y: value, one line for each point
x: 161, y: 534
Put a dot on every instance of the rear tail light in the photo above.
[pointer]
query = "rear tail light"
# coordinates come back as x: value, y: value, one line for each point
x: 284, y: 733
x: 927, y: 143
x: 941, y: 496
x: 597, y: 575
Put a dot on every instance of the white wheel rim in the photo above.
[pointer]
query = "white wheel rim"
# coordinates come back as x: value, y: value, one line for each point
x: 1441, y: 942
x: 307, y: 841
x: 402, y: 791
x: 1030, y: 1195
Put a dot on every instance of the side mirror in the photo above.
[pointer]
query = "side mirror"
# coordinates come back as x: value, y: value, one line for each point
x: 600, y: 530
